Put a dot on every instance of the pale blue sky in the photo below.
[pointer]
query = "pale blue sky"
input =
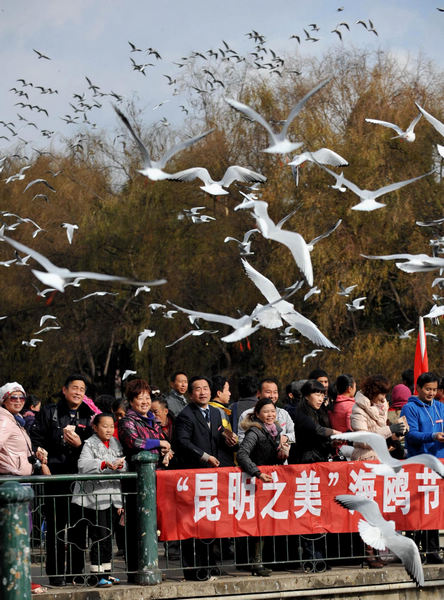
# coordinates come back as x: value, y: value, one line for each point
x: 90, y: 37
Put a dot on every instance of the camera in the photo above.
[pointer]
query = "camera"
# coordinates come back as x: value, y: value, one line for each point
x: 37, y: 465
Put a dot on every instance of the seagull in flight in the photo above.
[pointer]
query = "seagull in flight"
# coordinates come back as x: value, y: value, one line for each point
x: 436, y: 312
x: 96, y: 294
x: 389, y: 465
x: 70, y: 228
x: 312, y: 354
x: 216, y: 188
x: 57, y: 277
x: 127, y: 373
x: 405, y: 335
x: 408, y: 135
x: 146, y: 333
x: 279, y: 142
x: 380, y: 534
x: 245, y: 244
x: 367, y: 197
x: 32, y: 343
x: 153, y: 169
x: 438, y: 125
x: 40, y: 54
x: 323, y: 156
x: 285, y: 309
x: 193, y: 332
x: 346, y: 291
x: 413, y: 263
x: 31, y: 183
x: 272, y: 231
x: 356, y: 304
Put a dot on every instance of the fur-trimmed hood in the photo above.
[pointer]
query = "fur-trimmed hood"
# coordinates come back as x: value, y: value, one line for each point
x: 251, y: 421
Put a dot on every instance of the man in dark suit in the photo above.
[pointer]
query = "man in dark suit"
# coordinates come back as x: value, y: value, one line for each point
x: 200, y: 442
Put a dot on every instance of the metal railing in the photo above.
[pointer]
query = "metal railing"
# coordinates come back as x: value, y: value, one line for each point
x: 39, y: 523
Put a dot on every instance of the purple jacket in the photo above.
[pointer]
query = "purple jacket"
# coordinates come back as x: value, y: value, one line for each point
x: 138, y: 433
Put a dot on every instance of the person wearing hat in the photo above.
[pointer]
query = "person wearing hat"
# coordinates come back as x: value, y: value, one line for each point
x: 16, y: 455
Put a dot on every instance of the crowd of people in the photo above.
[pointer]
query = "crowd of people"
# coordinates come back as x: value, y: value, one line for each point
x: 197, y: 424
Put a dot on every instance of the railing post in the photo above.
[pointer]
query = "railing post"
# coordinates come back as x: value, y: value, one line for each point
x: 15, y: 554
x: 148, y: 572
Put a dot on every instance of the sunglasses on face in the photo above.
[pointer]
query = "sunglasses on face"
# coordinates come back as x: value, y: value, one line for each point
x: 17, y: 398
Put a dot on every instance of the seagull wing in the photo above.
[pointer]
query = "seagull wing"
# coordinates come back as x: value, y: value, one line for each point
x: 192, y: 174
x: 412, y: 125
x: 181, y: 146
x: 428, y: 460
x: 145, y: 156
x: 326, y: 234
x: 399, y: 184
x: 432, y: 120
x: 374, y: 440
x: 193, y: 332
x: 392, y: 256
x: 264, y: 285
x: 31, y: 183
x: 326, y: 156
x: 211, y: 317
x: 298, y: 248
x: 300, y: 105
x: 47, y: 264
x: 251, y: 114
x: 386, y: 124
x: 236, y: 173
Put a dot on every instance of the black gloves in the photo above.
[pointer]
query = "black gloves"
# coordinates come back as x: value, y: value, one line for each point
x: 397, y: 428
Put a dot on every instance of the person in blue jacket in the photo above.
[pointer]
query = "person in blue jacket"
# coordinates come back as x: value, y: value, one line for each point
x: 425, y: 417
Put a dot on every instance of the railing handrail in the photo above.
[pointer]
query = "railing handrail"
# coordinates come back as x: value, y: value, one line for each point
x: 74, y: 477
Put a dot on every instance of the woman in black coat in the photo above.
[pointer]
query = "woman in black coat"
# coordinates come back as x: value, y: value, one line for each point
x: 263, y: 444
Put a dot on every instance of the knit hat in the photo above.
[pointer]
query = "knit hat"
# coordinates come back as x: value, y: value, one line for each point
x: 400, y: 394
x: 8, y: 388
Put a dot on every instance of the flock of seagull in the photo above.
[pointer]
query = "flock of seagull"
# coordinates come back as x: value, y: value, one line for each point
x: 275, y: 312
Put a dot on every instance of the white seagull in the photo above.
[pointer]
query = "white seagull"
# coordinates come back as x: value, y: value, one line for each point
x: 96, y: 294
x: 285, y: 309
x: 312, y: 354
x: 436, y: 311
x: 70, y: 228
x: 408, y: 135
x: 127, y: 373
x: 367, y: 197
x: 45, y: 318
x: 405, y: 335
x: 142, y: 288
x: 245, y: 244
x: 346, y: 291
x: 146, y: 333
x: 216, y: 188
x: 153, y: 169
x: 193, y: 332
x: 356, y: 304
x: 389, y: 465
x: 380, y: 534
x: 413, y: 263
x: 57, y: 277
x: 279, y: 142
x: 31, y: 183
x: 45, y: 329
x: 432, y: 120
x: 272, y: 231
x: 242, y: 327
x: 323, y: 156
x: 32, y: 343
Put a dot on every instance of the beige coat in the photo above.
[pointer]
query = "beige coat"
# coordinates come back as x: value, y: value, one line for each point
x: 365, y: 417
x: 15, y: 446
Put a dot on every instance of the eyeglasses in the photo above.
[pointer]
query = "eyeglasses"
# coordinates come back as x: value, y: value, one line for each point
x: 17, y: 398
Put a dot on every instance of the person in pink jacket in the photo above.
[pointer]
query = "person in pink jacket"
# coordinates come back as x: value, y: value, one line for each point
x: 340, y: 415
x: 369, y: 413
x: 15, y: 445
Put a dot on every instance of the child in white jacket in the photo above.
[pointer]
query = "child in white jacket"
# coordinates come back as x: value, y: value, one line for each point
x: 101, y: 500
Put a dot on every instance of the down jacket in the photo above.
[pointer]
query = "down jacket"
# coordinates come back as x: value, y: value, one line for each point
x: 368, y: 417
x: 258, y: 447
x: 95, y: 494
x: 15, y: 446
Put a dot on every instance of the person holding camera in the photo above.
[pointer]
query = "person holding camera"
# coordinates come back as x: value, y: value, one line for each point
x: 16, y: 455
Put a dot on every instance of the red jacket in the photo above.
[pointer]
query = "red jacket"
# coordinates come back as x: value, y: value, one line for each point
x: 340, y: 415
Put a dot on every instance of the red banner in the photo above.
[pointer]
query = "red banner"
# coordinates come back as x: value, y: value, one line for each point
x: 216, y: 503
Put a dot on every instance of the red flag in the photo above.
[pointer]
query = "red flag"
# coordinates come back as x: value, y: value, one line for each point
x: 421, y: 359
